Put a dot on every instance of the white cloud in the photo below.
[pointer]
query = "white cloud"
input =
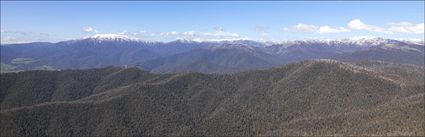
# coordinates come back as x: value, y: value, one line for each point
x: 327, y: 29
x: 219, y: 34
x: 11, y: 40
x: 188, y: 33
x: 400, y: 27
x: 285, y: 29
x: 318, y: 29
x: 407, y: 27
x: 359, y: 25
x: 173, y: 33
x: 11, y: 36
x: 305, y: 27
x: 89, y: 29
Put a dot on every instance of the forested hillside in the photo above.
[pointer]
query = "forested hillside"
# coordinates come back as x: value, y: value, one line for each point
x: 322, y: 97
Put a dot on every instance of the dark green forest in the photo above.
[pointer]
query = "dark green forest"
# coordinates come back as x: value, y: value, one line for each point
x: 320, y: 98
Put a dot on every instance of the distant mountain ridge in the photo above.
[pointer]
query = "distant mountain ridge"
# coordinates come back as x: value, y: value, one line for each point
x: 223, y: 56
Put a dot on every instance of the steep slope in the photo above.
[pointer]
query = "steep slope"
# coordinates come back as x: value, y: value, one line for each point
x: 322, y: 97
x: 34, y: 87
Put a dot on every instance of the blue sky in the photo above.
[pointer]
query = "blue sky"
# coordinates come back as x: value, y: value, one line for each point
x: 197, y: 20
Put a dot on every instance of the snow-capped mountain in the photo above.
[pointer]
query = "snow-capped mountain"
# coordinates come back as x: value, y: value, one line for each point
x: 370, y: 41
x: 111, y: 39
x: 365, y: 41
x: 113, y: 49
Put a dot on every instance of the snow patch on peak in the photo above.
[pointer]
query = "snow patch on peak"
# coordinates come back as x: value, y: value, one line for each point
x: 367, y: 41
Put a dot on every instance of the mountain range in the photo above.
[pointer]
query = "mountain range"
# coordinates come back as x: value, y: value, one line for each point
x: 319, y: 97
x: 208, y: 57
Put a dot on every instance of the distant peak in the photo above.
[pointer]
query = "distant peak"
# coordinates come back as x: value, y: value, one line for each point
x: 366, y: 40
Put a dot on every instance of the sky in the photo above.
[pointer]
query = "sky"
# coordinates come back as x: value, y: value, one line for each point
x: 29, y: 21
